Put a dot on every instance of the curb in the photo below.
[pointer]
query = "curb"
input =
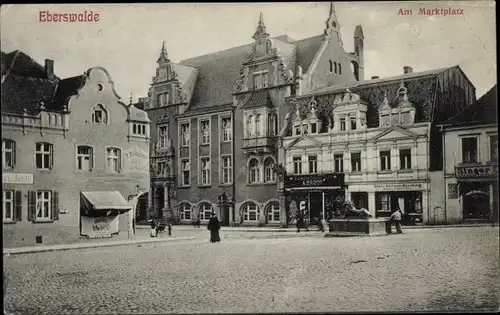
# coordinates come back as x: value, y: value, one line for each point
x: 21, y: 250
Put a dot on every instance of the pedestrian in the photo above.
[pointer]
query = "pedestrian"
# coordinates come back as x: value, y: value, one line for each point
x: 214, y: 227
x: 154, y: 228
x: 396, y: 218
x: 298, y: 222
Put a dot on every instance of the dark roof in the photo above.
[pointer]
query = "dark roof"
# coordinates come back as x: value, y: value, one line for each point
x: 65, y: 89
x: 306, y: 50
x: 17, y: 62
x: 259, y: 98
x: 482, y: 112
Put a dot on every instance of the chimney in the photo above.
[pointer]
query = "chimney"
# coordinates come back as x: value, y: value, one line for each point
x: 407, y: 69
x: 49, y: 69
x: 375, y: 77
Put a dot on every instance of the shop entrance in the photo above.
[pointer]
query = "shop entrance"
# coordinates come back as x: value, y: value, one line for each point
x: 476, y: 200
x: 409, y: 202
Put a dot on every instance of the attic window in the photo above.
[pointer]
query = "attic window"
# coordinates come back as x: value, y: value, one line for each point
x: 99, y: 115
x: 306, y: 129
x: 313, y: 128
x: 297, y: 131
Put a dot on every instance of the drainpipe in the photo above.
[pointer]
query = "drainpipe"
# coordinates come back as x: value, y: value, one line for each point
x: 444, y: 172
x: 233, y: 126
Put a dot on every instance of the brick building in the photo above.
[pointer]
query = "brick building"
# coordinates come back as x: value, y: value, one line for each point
x: 62, y: 138
x: 216, y: 120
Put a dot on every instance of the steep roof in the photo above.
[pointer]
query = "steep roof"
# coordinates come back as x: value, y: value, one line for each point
x: 17, y: 62
x: 482, y: 112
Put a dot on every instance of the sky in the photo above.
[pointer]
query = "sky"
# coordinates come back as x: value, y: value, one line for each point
x: 127, y: 38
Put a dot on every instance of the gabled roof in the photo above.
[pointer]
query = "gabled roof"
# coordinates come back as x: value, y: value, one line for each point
x: 65, y: 89
x: 482, y: 112
x: 19, y: 63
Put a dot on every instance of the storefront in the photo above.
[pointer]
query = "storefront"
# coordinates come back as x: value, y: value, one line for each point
x: 382, y: 199
x: 317, y: 196
x: 104, y: 214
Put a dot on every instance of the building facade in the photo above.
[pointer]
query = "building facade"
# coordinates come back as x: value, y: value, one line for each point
x: 224, y: 112
x: 61, y: 138
x: 471, y: 164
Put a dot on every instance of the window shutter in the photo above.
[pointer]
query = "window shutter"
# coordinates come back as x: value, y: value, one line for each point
x: 13, y: 154
x: 31, y: 205
x: 55, y: 205
x: 51, y: 156
x: 18, y: 206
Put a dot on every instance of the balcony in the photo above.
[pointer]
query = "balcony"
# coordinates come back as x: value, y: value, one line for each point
x: 260, y: 145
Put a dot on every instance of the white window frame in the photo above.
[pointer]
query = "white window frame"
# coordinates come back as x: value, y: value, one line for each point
x: 405, y: 163
x: 6, y: 151
x: 272, y: 122
x: 114, y: 156
x: 385, y: 160
x: 205, y: 131
x: 104, y: 115
x: 297, y: 165
x: 8, y: 204
x: 163, y: 135
x: 269, y: 176
x: 226, y: 169
x: 272, y: 209
x: 227, y: 129
x: 139, y: 129
x: 355, y: 167
x: 205, y: 171
x: 205, y: 211
x: 45, y: 155
x: 338, y: 162
x: 254, y: 171
x: 185, y: 134
x: 185, y: 169
x: 476, y: 137
x: 387, y: 201
x: 315, y: 164
x: 184, y: 209
x: 82, y: 156
x: 260, y: 79
x: 250, y: 208
x: 43, y: 201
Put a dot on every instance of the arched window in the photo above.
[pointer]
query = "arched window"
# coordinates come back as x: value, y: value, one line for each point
x: 205, y: 211
x: 272, y: 125
x: 250, y: 212
x: 335, y: 66
x: 257, y: 125
x: 268, y: 170
x: 99, y: 115
x: 340, y: 68
x: 273, y: 212
x: 250, y: 127
x: 254, y: 176
x: 331, y: 65
x: 185, y: 211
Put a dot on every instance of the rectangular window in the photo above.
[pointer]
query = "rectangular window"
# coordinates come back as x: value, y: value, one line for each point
x: 205, y: 131
x: 314, y: 128
x: 161, y: 169
x: 297, y: 131
x: 44, y: 154
x: 385, y: 160
x: 353, y: 123
x: 260, y: 80
x: 342, y: 124
x: 306, y: 129
x: 185, y: 173
x: 163, y: 99
x: 205, y: 171
x: 8, y: 152
x: 384, y: 120
x: 297, y: 165
x: 494, y: 148
x: 8, y: 205
x: 339, y: 163
x: 163, y: 135
x: 313, y: 164
x: 84, y: 158
x: 43, y: 205
x: 406, y: 118
x: 356, y: 162
x: 113, y: 159
x: 383, y: 202
x: 395, y: 119
x: 227, y: 169
x: 227, y: 130
x: 139, y: 129
x: 469, y: 150
x: 405, y: 159
x: 185, y: 134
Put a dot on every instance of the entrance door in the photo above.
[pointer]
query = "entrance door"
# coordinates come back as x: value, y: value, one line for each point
x: 316, y: 208
x: 476, y: 201
x: 225, y: 215
x: 160, y: 201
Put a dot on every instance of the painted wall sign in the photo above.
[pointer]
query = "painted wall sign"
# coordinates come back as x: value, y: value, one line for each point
x: 99, y: 227
x: 476, y: 171
x: 17, y: 178
x: 398, y: 187
x: 318, y: 180
x: 136, y: 160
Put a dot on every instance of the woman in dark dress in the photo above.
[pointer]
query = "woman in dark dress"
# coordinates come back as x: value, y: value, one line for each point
x: 214, y: 226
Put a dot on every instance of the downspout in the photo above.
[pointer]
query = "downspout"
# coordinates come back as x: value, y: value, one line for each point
x: 444, y: 172
x: 233, y: 126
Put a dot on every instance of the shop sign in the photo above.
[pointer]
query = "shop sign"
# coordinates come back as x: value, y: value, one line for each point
x: 398, y: 187
x: 476, y: 171
x: 99, y: 227
x: 136, y: 160
x: 314, y: 180
x: 17, y: 178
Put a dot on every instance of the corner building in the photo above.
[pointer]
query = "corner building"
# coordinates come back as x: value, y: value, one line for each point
x: 216, y: 121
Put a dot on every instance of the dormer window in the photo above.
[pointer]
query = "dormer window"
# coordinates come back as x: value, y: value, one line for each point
x: 314, y: 128
x: 385, y: 120
x: 99, y: 115
x: 297, y: 131
x: 306, y: 129
x: 260, y: 80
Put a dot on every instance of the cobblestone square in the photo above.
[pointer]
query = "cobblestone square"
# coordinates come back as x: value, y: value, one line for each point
x: 452, y: 269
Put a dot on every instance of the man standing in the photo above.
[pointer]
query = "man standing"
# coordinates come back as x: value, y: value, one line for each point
x: 396, y: 218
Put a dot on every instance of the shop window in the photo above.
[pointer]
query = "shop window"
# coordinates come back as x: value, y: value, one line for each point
x: 383, y: 202
x: 205, y: 171
x: 268, y: 170
x: 254, y: 176
x: 250, y: 212
x: 44, y: 154
x: 205, y: 131
x: 185, y: 212
x: 8, y: 153
x: 469, y: 150
x: 227, y: 129
x: 205, y: 211
x: 385, y: 160
x: 84, y: 158
x: 185, y: 173
x: 185, y: 134
x: 113, y: 159
x: 313, y: 164
x: 227, y: 170
x: 297, y: 165
x: 405, y: 159
x: 494, y: 148
x: 99, y: 115
x: 339, y: 163
x: 273, y: 212
x: 356, y: 162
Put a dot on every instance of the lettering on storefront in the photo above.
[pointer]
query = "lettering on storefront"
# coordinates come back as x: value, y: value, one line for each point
x: 100, y: 224
x: 136, y: 160
x: 476, y: 171
x: 398, y: 187
x: 322, y: 180
x: 99, y: 227
x: 17, y: 178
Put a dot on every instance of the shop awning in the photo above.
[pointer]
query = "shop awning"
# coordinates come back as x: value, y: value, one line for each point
x: 105, y: 200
